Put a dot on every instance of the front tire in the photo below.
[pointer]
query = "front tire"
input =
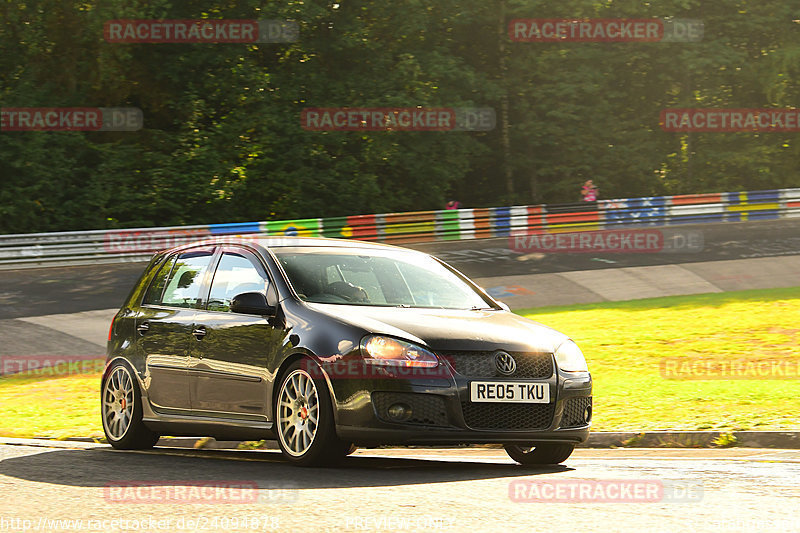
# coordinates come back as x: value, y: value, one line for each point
x: 304, y: 418
x: 541, y: 454
x: 121, y: 410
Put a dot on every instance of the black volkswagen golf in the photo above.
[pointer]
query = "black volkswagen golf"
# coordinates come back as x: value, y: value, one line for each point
x: 326, y: 345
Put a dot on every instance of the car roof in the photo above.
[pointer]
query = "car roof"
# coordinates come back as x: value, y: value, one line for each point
x: 294, y: 242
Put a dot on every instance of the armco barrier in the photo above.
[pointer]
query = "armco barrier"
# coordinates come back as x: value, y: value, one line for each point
x: 114, y: 246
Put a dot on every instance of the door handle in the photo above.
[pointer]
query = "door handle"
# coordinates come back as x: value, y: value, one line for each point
x: 199, y: 332
x: 143, y: 328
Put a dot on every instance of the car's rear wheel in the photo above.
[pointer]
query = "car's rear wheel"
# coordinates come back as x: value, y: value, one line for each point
x: 540, y: 454
x: 304, y: 419
x: 121, y: 410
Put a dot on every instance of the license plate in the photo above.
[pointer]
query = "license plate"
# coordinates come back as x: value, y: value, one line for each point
x: 509, y: 392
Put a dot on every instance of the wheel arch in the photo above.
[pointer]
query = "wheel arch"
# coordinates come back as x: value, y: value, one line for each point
x: 281, y: 372
x: 148, y: 411
x: 119, y: 358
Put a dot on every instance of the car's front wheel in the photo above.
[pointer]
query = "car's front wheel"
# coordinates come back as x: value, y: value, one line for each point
x: 304, y: 419
x: 121, y: 409
x: 541, y: 454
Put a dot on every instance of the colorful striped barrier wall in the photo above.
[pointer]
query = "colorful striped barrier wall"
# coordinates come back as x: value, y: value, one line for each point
x: 111, y: 246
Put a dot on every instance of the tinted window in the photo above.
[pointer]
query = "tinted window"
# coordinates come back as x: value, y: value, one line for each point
x: 186, y: 280
x: 379, y: 278
x: 366, y: 279
x: 153, y: 294
x: 235, y: 274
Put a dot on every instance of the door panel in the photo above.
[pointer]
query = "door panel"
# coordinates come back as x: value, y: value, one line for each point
x: 228, y: 363
x: 165, y: 344
x: 164, y: 327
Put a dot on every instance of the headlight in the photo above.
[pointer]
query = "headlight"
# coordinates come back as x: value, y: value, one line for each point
x: 570, y: 358
x: 387, y: 351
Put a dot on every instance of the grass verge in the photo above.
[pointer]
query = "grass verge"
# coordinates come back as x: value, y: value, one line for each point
x: 57, y: 407
x: 625, y: 342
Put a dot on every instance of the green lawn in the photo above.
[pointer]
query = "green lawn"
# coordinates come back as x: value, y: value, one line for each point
x: 623, y: 342
x: 51, y: 407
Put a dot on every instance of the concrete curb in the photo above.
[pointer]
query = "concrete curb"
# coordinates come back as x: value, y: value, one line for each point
x: 694, y: 439
x: 788, y: 440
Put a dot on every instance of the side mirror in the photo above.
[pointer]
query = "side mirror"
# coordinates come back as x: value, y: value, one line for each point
x: 252, y: 303
x: 504, y: 306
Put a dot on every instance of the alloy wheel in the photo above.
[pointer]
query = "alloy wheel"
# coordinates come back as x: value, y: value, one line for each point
x: 298, y: 412
x: 118, y: 403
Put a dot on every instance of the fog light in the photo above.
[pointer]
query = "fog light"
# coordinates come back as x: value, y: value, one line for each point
x: 587, y: 414
x: 399, y: 412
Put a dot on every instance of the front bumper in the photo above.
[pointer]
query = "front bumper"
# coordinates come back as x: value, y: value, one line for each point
x: 443, y: 413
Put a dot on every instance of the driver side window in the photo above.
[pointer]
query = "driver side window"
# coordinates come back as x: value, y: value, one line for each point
x: 235, y: 274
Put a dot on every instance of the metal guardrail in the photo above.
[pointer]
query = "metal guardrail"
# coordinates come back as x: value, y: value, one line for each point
x: 138, y: 244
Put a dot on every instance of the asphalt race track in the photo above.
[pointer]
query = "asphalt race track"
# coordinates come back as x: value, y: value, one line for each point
x: 397, y: 490
x: 710, y: 243
x: 66, y: 310
x: 47, y: 291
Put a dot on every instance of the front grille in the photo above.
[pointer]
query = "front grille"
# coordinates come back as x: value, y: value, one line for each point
x: 573, y: 412
x: 535, y: 416
x: 530, y: 365
x: 426, y: 409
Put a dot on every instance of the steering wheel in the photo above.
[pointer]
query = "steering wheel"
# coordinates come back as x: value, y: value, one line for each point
x: 347, y: 291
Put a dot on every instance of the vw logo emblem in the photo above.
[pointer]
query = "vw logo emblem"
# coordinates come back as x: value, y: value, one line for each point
x: 505, y: 363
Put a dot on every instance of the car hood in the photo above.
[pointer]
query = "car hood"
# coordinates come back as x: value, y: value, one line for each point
x: 448, y: 329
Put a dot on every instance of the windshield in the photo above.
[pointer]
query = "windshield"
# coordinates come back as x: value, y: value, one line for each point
x: 364, y: 277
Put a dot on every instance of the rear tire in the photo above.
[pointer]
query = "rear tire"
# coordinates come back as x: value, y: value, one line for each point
x: 121, y: 410
x: 304, y: 418
x: 541, y: 454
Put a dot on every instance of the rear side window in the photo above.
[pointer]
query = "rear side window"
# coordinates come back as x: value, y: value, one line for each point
x: 186, y: 279
x: 156, y: 289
